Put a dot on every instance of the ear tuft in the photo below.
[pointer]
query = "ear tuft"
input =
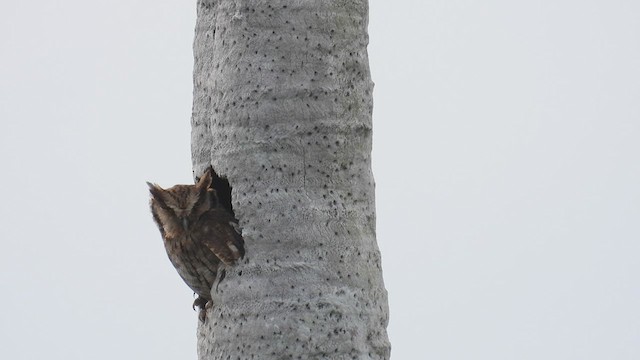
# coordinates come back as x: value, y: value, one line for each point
x: 155, y: 190
x: 206, y: 179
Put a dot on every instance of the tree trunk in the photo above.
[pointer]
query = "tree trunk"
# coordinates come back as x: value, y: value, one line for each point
x: 282, y: 109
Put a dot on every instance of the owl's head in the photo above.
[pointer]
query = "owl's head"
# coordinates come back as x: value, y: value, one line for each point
x: 184, y: 203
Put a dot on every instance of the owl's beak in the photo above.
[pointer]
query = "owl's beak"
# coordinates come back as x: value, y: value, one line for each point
x: 185, y: 223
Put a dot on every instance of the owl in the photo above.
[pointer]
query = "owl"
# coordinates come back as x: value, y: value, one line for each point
x: 198, y: 233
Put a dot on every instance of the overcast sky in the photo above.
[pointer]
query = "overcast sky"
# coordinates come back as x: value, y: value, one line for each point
x: 506, y: 156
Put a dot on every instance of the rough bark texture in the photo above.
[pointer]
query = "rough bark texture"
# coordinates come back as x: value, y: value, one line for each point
x: 282, y: 109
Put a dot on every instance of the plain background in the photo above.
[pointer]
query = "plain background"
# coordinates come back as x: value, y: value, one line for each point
x: 506, y: 137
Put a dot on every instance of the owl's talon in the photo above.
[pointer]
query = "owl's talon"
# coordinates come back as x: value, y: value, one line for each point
x: 199, y: 302
x: 202, y: 309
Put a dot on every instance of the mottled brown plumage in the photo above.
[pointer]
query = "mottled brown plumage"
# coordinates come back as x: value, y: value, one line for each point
x: 198, y: 234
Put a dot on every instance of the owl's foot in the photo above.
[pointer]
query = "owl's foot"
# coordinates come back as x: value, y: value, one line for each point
x: 199, y: 302
x: 202, y: 315
x: 202, y: 304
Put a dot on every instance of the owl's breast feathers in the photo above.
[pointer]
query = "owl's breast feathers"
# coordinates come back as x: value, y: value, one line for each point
x: 197, y: 254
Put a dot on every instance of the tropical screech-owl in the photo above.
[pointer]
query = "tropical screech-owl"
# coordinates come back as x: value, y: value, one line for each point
x: 198, y: 234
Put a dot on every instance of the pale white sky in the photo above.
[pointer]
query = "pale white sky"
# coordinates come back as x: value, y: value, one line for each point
x: 506, y: 135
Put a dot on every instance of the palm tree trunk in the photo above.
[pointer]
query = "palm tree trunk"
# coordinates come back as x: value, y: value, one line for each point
x: 282, y: 109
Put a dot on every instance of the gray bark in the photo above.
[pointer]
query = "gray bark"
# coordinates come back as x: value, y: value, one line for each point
x: 282, y: 109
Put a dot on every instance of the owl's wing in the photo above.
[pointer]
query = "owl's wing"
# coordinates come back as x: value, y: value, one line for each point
x: 220, y: 233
